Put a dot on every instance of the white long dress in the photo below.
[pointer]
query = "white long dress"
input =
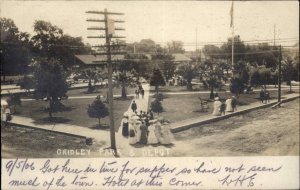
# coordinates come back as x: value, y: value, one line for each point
x: 166, y: 135
x: 229, y: 105
x: 217, y: 107
x: 133, y: 131
x: 152, y: 137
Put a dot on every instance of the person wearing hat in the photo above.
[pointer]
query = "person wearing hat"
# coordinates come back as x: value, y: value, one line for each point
x: 125, y: 125
x: 228, y: 103
x: 144, y: 133
x: 133, y: 106
x: 234, y: 103
x: 217, y: 107
x: 133, y: 124
x: 152, y: 138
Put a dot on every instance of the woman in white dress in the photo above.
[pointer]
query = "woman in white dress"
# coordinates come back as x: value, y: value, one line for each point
x: 228, y: 103
x: 167, y: 136
x: 133, y: 123
x: 152, y: 139
x: 217, y: 107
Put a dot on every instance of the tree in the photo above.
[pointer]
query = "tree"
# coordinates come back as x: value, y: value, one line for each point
x: 212, y: 75
x: 13, y: 101
x: 90, y: 74
x: 157, y: 79
x: 261, y: 76
x: 239, y: 49
x: 49, y: 41
x: 50, y: 82
x: 241, y: 78
x: 27, y: 83
x: 97, y: 109
x: 175, y: 47
x: 212, y: 51
x: 262, y: 55
x: 188, y: 71
x: 15, y: 54
x: 123, y: 80
x: 156, y: 106
x: 237, y: 86
x: 166, y: 63
x: 289, y: 72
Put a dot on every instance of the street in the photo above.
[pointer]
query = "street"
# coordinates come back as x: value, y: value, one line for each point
x: 265, y: 132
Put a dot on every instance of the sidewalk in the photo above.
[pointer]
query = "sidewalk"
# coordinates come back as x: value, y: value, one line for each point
x: 142, y: 103
x: 196, y: 122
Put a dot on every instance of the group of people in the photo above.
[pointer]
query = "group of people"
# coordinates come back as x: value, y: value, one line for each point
x: 138, y: 91
x: 230, y: 105
x: 264, y: 96
x: 144, y: 129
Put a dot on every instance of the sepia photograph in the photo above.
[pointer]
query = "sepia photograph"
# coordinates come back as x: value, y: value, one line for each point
x: 119, y: 79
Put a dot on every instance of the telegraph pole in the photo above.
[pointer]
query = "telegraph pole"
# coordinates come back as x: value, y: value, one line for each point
x: 279, y: 76
x: 109, y: 34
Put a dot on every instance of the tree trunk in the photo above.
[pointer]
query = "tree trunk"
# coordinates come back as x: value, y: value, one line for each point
x: 211, y: 96
x: 156, y: 89
x: 50, y: 108
x: 290, y: 86
x: 99, y: 121
x: 189, y: 85
x: 124, y: 95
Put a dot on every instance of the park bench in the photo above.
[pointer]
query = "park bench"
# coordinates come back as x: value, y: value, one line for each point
x: 204, y: 105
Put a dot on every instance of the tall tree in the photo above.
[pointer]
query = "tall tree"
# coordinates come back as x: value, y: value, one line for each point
x: 212, y: 75
x: 175, y: 47
x: 97, y: 109
x: 49, y: 41
x: 165, y: 62
x: 157, y: 79
x: 15, y: 46
x: 50, y: 82
x: 239, y: 49
x: 188, y: 71
x: 212, y: 52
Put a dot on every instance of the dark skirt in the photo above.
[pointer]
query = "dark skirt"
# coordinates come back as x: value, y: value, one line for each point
x: 125, y: 132
x: 144, y: 135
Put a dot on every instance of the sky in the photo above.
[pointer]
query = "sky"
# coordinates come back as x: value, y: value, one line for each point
x: 162, y: 21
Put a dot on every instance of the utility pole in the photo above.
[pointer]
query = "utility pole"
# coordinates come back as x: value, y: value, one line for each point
x: 279, y: 77
x: 274, y: 34
x: 197, y: 46
x: 109, y: 34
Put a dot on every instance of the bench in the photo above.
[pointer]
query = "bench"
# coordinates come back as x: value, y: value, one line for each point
x: 204, y: 105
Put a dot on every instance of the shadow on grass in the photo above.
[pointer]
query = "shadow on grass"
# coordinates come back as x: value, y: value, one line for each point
x: 59, y: 109
x: 123, y: 99
x: 100, y: 127
x: 139, y: 145
x: 49, y: 120
x: 201, y: 111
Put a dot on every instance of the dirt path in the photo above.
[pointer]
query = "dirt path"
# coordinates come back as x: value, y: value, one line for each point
x: 263, y: 132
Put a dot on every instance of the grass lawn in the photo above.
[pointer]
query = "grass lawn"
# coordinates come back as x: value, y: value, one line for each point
x: 75, y: 113
x: 20, y: 142
x: 181, y: 107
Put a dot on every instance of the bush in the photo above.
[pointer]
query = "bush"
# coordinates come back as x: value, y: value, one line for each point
x: 97, y: 109
x: 156, y: 106
x: 159, y: 96
x: 13, y: 101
